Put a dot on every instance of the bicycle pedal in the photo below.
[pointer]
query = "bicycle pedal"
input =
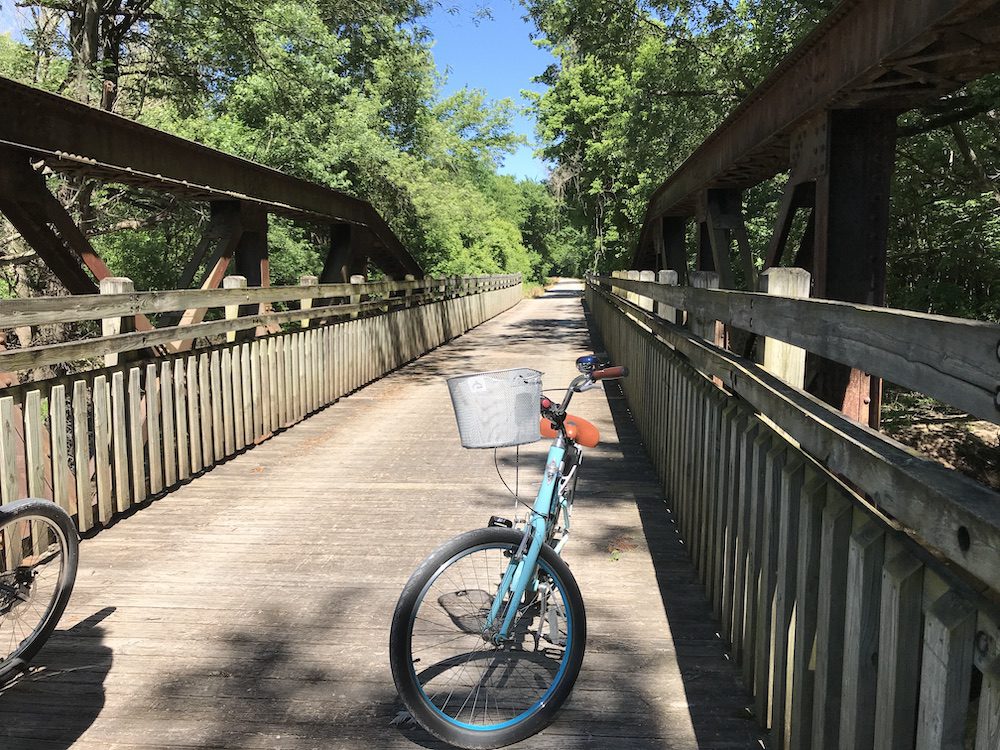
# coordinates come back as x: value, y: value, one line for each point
x: 498, y: 522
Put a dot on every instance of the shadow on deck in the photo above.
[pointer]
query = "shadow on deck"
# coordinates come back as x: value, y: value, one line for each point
x: 250, y: 608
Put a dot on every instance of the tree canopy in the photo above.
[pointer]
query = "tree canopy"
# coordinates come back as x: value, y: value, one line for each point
x: 346, y: 93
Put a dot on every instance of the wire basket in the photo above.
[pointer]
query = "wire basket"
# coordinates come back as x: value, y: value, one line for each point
x: 497, y: 409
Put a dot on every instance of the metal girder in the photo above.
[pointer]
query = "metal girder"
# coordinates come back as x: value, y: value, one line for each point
x: 890, y: 54
x: 78, y: 139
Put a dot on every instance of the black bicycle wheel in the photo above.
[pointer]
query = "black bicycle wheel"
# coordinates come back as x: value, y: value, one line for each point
x: 457, y: 683
x: 39, y: 550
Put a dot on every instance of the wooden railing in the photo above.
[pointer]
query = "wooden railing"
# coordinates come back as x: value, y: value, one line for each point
x: 102, y: 439
x: 857, y: 583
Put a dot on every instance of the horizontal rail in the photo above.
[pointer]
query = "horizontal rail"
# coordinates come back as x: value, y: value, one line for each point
x: 847, y: 629
x: 948, y: 511
x: 130, y: 304
x: 74, y: 308
x: 123, y: 434
x: 952, y: 359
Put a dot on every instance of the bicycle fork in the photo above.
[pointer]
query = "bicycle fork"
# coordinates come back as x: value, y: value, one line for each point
x: 521, y: 572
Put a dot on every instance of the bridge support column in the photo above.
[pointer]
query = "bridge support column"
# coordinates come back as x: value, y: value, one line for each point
x: 671, y: 246
x: 346, y: 257
x: 849, y: 244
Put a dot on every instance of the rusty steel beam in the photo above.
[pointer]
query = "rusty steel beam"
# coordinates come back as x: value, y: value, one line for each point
x: 75, y: 138
x: 883, y: 54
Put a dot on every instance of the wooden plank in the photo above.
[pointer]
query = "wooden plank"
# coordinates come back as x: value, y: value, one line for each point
x: 72, y: 309
x: 120, y: 443
x: 756, y: 521
x: 205, y: 405
x: 734, y: 425
x: 102, y: 449
x: 770, y: 528
x: 228, y: 446
x: 946, y: 671
x: 750, y: 479
x: 135, y: 435
x: 81, y: 457
x: 8, y: 466
x: 864, y: 577
x: 60, y: 448
x: 723, y: 475
x: 260, y: 382
x: 183, y: 417
x: 194, y: 411
x: 33, y: 457
x: 113, y: 345
x: 783, y: 360
x: 154, y: 440
x: 988, y: 724
x: 900, y: 631
x: 799, y: 711
x: 249, y: 387
x: 274, y: 399
x: 167, y: 416
x: 296, y: 373
x: 218, y: 421
x: 236, y: 385
x: 922, y: 495
x: 790, y: 498
x: 114, y: 325
x: 832, y: 597
x: 952, y: 359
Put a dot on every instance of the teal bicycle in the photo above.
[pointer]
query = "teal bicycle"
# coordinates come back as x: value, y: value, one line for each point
x: 489, y: 633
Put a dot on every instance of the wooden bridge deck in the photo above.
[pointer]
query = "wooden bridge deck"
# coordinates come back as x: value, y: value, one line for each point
x: 251, y: 607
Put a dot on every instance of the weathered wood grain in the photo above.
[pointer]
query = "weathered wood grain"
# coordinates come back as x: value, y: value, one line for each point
x: 946, y: 669
x: 77, y: 307
x: 81, y: 457
x: 102, y: 449
x: 935, y: 502
x: 8, y: 467
x: 154, y: 438
x: 59, y: 448
x: 181, y: 634
x: 952, y: 359
x: 899, y: 649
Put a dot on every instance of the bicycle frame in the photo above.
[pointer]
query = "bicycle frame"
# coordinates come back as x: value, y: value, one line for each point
x: 520, y: 574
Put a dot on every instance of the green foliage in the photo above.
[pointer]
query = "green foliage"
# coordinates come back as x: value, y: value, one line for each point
x: 340, y: 92
x: 638, y: 85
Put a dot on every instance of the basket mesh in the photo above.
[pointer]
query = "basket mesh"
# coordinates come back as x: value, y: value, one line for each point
x: 497, y: 409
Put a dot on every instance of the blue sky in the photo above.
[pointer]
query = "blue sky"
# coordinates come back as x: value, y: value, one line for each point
x: 496, y: 55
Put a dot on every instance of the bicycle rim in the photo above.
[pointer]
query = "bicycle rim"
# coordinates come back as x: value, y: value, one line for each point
x: 463, y: 676
x: 33, y: 561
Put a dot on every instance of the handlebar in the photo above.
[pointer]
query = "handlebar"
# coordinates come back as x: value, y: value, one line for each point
x: 584, y: 382
x: 609, y: 373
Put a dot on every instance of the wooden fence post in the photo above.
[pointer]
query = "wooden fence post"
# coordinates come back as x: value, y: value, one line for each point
x: 356, y: 293
x: 784, y: 360
x: 668, y: 313
x: 646, y: 303
x: 233, y: 311
x: 632, y: 297
x: 710, y: 330
x: 306, y: 303
x: 408, y: 292
x: 114, y: 326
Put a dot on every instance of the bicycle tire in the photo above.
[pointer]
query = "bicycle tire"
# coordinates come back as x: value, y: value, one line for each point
x: 39, y: 554
x: 545, y: 681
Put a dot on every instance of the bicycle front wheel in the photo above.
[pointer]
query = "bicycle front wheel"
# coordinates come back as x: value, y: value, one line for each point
x: 38, y: 560
x: 455, y: 680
